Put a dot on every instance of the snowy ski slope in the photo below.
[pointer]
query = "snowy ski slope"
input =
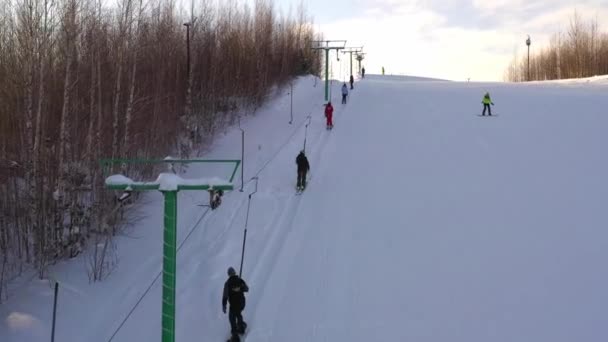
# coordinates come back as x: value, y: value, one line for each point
x: 422, y: 222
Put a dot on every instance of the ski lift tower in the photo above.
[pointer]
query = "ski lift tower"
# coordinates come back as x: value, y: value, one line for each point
x: 351, y: 50
x: 169, y: 183
x: 328, y: 45
x: 359, y: 58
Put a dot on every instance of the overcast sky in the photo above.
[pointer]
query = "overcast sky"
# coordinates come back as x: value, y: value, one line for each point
x: 450, y: 39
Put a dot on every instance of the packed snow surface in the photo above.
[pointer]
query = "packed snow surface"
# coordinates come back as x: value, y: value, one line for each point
x: 422, y: 222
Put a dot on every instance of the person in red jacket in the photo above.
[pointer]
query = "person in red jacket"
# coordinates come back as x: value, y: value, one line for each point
x: 329, y: 113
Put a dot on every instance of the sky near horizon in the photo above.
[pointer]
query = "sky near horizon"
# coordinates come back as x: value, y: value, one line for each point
x: 448, y: 39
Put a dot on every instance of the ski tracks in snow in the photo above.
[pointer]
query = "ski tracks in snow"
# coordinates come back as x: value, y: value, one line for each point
x: 280, y: 247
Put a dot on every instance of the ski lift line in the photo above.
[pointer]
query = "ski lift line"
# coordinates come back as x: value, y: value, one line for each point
x: 278, y: 151
x: 289, y: 139
x: 202, y: 217
x: 157, y: 276
x: 246, y: 223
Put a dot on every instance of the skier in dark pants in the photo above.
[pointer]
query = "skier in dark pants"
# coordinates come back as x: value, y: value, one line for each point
x: 303, y: 168
x: 487, y: 101
x: 234, y: 293
x: 352, y: 81
x: 344, y: 93
x: 363, y: 72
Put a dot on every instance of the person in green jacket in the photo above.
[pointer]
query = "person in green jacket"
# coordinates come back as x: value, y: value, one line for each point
x: 487, y: 101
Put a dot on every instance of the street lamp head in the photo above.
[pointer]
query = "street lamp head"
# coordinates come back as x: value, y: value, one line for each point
x: 190, y: 23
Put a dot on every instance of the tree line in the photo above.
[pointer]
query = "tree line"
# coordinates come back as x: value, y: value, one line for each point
x: 580, y: 52
x: 81, y: 81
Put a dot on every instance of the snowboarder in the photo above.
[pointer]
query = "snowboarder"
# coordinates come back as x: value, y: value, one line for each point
x: 303, y: 168
x: 329, y: 114
x: 487, y: 101
x: 382, y: 70
x: 352, y: 81
x: 363, y: 72
x: 234, y: 293
x: 215, y: 198
x: 344, y: 93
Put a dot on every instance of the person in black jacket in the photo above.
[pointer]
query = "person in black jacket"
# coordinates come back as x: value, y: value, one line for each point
x: 352, y: 81
x: 234, y: 293
x: 303, y: 168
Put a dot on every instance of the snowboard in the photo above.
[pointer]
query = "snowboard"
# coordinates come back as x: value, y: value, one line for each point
x: 483, y: 116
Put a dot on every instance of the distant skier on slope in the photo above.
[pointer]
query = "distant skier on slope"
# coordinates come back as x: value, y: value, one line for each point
x: 487, y: 101
x: 344, y: 93
x: 363, y: 72
x: 329, y: 114
x: 234, y: 293
x: 352, y: 81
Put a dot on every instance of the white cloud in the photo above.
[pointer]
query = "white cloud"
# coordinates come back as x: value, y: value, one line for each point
x: 415, y: 41
x: 493, y: 6
x: 559, y: 18
x: 453, y: 39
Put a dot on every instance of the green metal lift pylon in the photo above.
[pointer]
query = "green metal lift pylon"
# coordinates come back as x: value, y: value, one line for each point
x: 327, y: 47
x: 170, y: 225
x: 360, y: 57
x: 351, y: 50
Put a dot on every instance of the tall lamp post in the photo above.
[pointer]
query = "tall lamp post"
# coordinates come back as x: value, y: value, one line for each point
x: 242, y: 155
x: 188, y: 107
x: 291, y: 102
x: 528, y: 42
x: 188, y: 45
x: 188, y: 24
